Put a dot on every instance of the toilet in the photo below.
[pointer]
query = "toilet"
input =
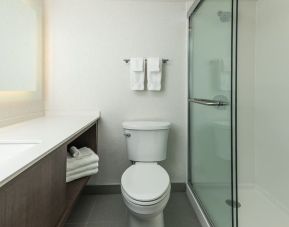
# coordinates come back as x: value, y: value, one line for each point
x: 145, y: 185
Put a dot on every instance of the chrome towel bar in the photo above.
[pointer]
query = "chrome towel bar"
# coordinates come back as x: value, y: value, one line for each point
x: 163, y: 60
x: 209, y: 102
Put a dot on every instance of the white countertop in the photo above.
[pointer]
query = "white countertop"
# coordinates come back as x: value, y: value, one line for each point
x: 46, y: 132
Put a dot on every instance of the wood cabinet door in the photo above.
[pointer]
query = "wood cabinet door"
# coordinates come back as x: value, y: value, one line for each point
x: 37, y: 196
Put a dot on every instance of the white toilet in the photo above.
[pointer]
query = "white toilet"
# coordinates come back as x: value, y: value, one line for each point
x: 145, y: 185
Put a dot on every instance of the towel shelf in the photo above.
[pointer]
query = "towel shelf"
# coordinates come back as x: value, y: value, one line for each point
x: 128, y: 60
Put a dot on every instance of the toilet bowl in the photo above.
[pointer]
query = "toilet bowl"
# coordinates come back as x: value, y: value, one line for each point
x: 145, y: 189
x: 145, y: 185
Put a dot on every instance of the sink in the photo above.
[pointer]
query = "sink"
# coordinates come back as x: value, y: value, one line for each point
x: 10, y: 149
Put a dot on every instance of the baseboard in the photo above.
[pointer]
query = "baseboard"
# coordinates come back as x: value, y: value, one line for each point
x: 197, y: 208
x: 101, y: 189
x: 115, y: 189
x: 178, y: 187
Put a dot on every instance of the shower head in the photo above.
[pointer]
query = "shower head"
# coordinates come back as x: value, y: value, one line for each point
x: 225, y: 16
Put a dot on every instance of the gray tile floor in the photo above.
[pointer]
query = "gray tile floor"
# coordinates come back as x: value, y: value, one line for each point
x: 110, y: 211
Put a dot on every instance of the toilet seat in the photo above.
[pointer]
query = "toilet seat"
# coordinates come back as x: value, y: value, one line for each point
x: 148, y: 203
x: 145, y: 183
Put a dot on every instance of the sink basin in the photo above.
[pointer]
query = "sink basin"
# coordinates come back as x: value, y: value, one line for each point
x: 12, y: 149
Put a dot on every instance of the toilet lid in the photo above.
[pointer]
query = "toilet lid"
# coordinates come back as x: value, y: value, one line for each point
x: 145, y: 181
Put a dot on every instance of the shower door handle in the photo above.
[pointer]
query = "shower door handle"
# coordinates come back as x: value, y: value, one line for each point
x: 209, y: 102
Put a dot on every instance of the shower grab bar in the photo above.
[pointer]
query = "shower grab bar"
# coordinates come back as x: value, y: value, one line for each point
x: 209, y: 102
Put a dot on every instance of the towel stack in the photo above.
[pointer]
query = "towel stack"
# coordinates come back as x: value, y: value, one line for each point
x: 81, y: 163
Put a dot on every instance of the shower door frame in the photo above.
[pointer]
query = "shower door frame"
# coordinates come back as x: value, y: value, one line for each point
x: 234, y: 160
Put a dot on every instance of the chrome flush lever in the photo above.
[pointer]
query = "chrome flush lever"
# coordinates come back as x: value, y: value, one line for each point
x: 126, y: 134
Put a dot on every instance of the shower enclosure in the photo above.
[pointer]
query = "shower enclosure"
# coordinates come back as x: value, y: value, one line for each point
x: 238, y: 166
x: 211, y: 114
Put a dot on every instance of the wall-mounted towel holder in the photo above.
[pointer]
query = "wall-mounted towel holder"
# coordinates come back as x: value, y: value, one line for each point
x: 128, y: 60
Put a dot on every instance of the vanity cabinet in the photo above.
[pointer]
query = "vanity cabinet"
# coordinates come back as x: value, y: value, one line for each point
x: 39, y: 196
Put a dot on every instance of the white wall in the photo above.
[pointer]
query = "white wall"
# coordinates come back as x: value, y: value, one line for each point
x: 246, y: 91
x: 271, y: 99
x: 87, y: 41
x: 263, y: 79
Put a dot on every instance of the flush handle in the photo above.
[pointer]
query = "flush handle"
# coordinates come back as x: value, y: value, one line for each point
x: 126, y: 134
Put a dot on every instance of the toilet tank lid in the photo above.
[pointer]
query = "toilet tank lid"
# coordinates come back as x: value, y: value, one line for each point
x: 146, y: 125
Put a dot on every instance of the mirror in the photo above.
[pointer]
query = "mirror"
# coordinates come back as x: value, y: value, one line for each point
x: 20, y: 44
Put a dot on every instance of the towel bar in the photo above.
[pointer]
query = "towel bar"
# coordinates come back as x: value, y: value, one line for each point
x: 128, y: 60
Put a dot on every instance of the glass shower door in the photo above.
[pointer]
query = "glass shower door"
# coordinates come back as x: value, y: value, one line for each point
x: 210, y: 95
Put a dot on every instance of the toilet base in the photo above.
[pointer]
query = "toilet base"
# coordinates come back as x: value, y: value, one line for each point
x: 146, y: 215
x: 136, y: 221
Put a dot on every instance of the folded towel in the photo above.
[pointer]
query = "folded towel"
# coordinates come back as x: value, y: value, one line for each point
x: 86, y: 157
x: 80, y: 175
x: 137, y: 74
x: 82, y: 169
x: 83, y: 152
x: 154, y: 74
x: 74, y: 152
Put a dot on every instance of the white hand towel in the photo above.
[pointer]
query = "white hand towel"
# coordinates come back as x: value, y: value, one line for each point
x: 86, y: 157
x: 80, y: 175
x: 137, y: 74
x: 225, y: 81
x: 137, y: 64
x: 74, y: 152
x: 154, y: 70
x: 82, y: 169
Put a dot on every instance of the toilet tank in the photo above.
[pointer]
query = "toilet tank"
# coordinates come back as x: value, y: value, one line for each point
x: 146, y: 140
